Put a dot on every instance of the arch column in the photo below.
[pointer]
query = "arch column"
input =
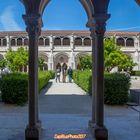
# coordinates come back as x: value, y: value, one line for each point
x: 33, y: 23
x: 97, y: 34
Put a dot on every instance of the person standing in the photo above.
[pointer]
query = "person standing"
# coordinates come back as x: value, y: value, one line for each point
x: 64, y: 74
x: 58, y: 74
x: 70, y: 71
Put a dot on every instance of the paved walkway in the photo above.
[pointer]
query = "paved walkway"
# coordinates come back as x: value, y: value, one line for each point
x: 65, y: 109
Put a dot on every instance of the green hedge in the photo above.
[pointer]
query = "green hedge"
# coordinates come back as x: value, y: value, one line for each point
x: 44, y: 77
x: 135, y: 73
x: 83, y: 79
x: 14, y: 87
x: 116, y: 86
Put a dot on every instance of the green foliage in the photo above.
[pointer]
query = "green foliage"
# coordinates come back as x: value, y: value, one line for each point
x: 14, y: 87
x: 16, y: 59
x: 85, y: 62
x: 3, y: 63
x: 40, y: 62
x: 81, y: 78
x: 116, y: 86
x: 113, y: 57
x: 135, y: 73
x: 44, y: 77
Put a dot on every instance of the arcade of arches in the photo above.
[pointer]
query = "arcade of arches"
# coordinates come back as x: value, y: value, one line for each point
x: 97, y: 13
x: 69, y: 45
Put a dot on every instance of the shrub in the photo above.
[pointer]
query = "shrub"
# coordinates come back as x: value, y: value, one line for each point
x: 135, y: 73
x: 43, y: 78
x: 14, y: 87
x: 82, y: 78
x: 116, y: 86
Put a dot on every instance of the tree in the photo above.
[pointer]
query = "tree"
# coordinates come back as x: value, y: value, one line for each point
x: 3, y: 63
x: 17, y: 59
x: 113, y: 57
x: 40, y: 62
x: 85, y: 62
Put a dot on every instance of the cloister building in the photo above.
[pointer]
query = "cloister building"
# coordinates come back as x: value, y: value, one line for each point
x: 65, y: 47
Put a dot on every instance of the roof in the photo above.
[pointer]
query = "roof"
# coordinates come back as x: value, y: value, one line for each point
x: 69, y: 32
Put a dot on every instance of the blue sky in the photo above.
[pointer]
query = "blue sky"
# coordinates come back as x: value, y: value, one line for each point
x: 70, y: 15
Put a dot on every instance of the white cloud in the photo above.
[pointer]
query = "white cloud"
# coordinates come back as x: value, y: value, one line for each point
x: 8, y: 21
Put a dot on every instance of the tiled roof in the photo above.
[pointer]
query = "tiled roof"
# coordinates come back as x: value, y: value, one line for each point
x: 70, y: 32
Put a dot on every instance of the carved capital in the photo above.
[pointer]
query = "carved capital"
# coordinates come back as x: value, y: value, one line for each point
x: 33, y: 23
x: 100, y: 20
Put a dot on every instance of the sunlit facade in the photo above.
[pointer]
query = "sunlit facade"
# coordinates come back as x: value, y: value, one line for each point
x: 59, y: 48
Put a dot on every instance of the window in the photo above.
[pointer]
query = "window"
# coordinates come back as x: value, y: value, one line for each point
x: 19, y: 42
x: 0, y: 42
x: 120, y: 42
x: 87, y: 42
x: 13, y: 42
x: 78, y: 41
x: 41, y: 42
x: 130, y: 42
x: 26, y: 42
x: 57, y: 41
x: 4, y: 42
x: 66, y: 42
x: 47, y: 42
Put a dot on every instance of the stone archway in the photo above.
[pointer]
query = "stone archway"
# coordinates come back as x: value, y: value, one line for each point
x: 61, y: 58
x: 77, y: 59
x: 97, y: 13
x: 44, y: 66
x: 1, y: 57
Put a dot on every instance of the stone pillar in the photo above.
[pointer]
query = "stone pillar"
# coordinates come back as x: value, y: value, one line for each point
x: 97, y: 33
x: 72, y: 57
x: 100, y: 28
x: 92, y: 121
x: 51, y: 61
x: 51, y: 42
x: 33, y: 23
x: 8, y: 42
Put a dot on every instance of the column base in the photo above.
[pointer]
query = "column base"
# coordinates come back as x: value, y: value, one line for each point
x: 100, y: 133
x: 32, y: 133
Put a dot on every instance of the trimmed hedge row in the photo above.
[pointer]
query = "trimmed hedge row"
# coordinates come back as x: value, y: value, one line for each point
x: 116, y: 86
x: 14, y: 87
x: 135, y: 73
x: 44, y: 77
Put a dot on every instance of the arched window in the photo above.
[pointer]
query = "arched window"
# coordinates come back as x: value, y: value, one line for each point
x: 0, y: 42
x: 107, y: 38
x: 57, y: 41
x: 120, y: 42
x: 130, y: 42
x: 41, y: 42
x: 66, y: 42
x: 1, y: 56
x: 45, y: 67
x: 87, y: 42
x: 19, y: 42
x: 13, y: 42
x: 47, y: 42
x: 78, y: 41
x: 4, y: 42
x: 26, y: 42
